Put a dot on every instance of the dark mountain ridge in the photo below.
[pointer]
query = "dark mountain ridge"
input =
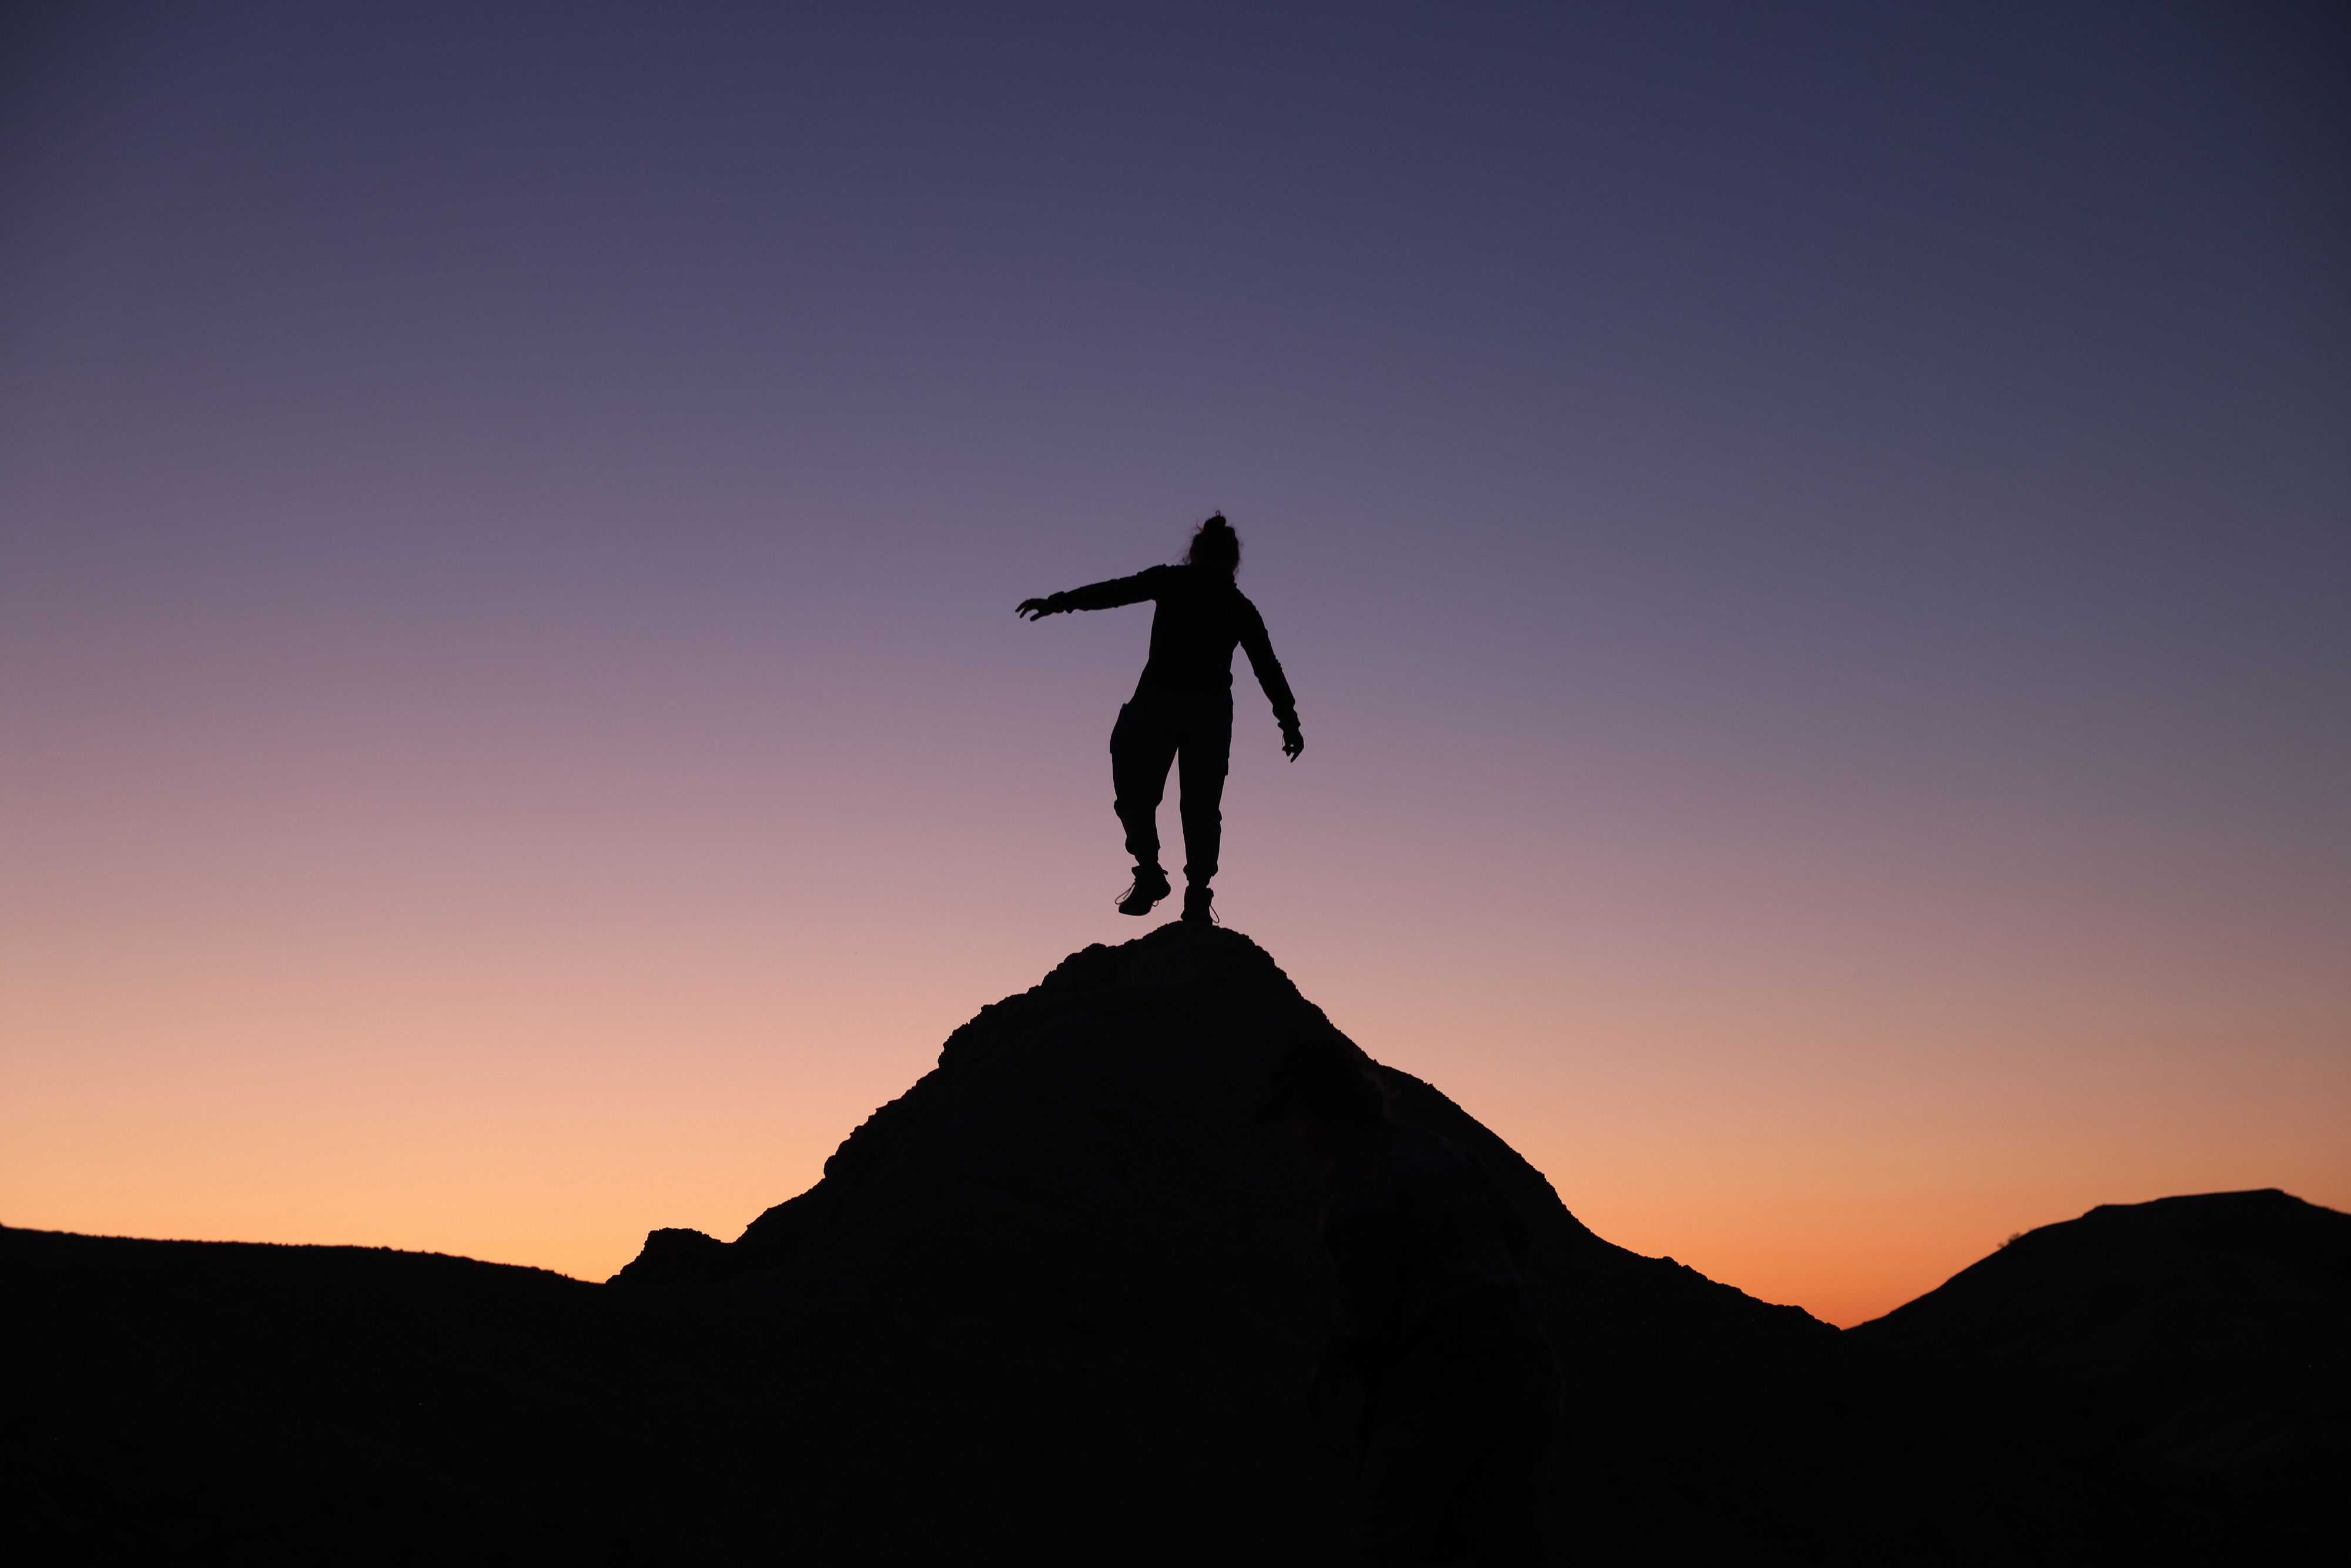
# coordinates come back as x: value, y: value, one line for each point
x: 2192, y: 1351
x: 1127, y: 1082
x: 1061, y: 1297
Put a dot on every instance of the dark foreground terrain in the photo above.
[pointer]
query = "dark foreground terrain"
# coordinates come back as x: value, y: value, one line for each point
x: 1063, y: 1298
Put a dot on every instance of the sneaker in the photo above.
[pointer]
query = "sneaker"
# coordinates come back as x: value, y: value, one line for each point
x: 1150, y: 887
x: 1197, y: 901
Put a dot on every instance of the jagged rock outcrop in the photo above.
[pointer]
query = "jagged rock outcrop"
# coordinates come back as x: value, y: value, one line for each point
x: 1080, y: 1190
x: 1115, y: 1101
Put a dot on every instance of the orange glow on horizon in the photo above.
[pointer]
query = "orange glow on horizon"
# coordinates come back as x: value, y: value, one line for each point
x: 460, y: 1080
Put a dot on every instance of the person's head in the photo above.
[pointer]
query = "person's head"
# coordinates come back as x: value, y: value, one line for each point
x: 1215, y: 545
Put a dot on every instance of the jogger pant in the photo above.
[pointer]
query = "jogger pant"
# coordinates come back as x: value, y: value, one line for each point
x: 1194, y: 729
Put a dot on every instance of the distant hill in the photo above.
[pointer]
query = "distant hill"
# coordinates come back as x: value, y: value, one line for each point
x: 2195, y: 1350
x: 1060, y: 1299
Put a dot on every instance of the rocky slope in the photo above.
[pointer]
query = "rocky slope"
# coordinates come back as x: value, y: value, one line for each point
x: 1077, y: 1213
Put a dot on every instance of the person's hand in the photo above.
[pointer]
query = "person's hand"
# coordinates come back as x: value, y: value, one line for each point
x: 1034, y: 609
x: 1293, y: 742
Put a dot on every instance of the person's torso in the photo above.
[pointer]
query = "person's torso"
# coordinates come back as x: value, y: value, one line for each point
x: 1201, y: 618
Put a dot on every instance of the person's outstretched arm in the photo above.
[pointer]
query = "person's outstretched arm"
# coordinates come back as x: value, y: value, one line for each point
x: 1260, y: 648
x: 1108, y: 595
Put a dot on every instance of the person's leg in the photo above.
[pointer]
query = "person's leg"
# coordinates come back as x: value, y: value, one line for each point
x: 1205, y: 753
x: 1142, y: 746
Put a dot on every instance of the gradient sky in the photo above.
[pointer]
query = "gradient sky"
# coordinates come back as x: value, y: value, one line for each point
x: 1813, y: 544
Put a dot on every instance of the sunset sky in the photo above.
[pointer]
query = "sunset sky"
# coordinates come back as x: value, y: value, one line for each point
x: 1813, y: 544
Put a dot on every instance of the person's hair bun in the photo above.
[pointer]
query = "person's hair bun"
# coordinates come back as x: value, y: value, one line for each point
x: 1214, y: 543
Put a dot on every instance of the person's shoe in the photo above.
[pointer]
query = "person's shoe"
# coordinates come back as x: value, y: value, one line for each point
x: 1150, y: 887
x: 1198, y: 900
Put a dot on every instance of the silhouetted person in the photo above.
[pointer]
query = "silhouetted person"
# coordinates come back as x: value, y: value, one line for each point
x: 1182, y: 710
x: 1433, y: 1319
